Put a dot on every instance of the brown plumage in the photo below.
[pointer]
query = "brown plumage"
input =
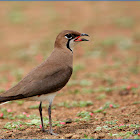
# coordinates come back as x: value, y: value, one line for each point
x: 50, y: 76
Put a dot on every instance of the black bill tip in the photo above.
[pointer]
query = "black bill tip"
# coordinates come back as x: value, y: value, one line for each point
x: 83, y: 34
x: 83, y: 39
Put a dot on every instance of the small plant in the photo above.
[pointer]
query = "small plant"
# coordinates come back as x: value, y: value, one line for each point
x: 18, y: 74
x: 7, y: 113
x: 81, y: 83
x: 111, y: 122
x: 126, y: 22
x: 108, y: 42
x: 19, y: 102
x: 76, y: 104
x: 84, y: 115
x: 85, y: 83
x: 37, y: 106
x: 2, y: 90
x: 137, y: 102
x: 34, y: 106
x: 24, y: 115
x: 105, y: 89
x: 125, y: 44
x: 87, y: 90
x: 15, y: 125
x: 87, y: 137
x: 75, y: 91
x: 78, y: 67
x: 101, y: 96
x: 16, y: 16
x: 107, y: 105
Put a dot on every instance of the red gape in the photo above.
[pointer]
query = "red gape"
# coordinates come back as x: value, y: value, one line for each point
x: 76, y: 39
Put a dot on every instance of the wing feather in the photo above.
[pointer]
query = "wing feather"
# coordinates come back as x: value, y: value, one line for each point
x: 38, y: 86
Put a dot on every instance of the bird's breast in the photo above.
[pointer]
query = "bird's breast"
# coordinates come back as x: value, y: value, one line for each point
x: 45, y: 97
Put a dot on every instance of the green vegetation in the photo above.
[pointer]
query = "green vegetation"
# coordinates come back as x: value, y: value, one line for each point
x: 107, y: 105
x: 16, y: 16
x: 76, y: 104
x: 81, y: 83
x: 84, y: 115
x: 125, y: 22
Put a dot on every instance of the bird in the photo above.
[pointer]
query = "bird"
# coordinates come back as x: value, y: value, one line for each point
x: 43, y: 82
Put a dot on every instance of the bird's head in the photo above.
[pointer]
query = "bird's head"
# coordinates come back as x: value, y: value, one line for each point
x: 69, y: 38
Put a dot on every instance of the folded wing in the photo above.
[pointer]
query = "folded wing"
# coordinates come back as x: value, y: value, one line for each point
x: 29, y: 87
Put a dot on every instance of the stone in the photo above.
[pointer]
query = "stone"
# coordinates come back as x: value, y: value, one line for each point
x: 68, y: 136
x: 101, y: 136
x: 68, y: 120
x: 75, y: 136
x: 126, y: 120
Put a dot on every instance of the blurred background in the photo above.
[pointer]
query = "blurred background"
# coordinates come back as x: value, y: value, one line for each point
x: 28, y: 31
x: 105, y: 68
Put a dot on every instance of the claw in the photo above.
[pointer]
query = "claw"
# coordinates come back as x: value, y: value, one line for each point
x: 52, y: 133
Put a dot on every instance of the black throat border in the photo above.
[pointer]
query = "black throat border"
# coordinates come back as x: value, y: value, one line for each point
x: 68, y: 45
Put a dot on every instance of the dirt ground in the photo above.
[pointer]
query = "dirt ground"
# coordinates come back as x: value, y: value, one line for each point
x: 102, y: 99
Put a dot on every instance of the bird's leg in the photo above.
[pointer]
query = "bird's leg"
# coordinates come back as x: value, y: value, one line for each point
x: 40, y: 111
x: 50, y: 120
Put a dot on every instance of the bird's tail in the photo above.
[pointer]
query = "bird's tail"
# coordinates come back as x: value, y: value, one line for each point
x: 3, y: 99
x: 10, y: 98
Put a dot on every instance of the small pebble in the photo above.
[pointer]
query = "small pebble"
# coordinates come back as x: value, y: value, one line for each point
x: 126, y: 120
x: 68, y: 120
x: 75, y: 137
x: 124, y: 92
x: 101, y: 135
x: 68, y: 135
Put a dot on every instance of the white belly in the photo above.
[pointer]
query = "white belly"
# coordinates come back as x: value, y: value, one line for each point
x: 46, y: 97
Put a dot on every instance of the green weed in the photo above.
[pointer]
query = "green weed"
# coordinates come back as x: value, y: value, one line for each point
x: 37, y: 106
x: 75, y: 104
x: 137, y: 102
x: 101, y: 96
x: 18, y: 74
x: 105, y: 89
x: 6, y: 67
x: 81, y: 83
x: 87, y: 137
x: 24, y: 116
x: 107, y: 105
x: 124, y: 22
x: 78, y: 67
x: 15, y: 125
x: 2, y: 90
x: 87, y: 90
x: 85, y: 83
x: 7, y: 114
x: 16, y: 16
x: 111, y: 122
x: 84, y: 115
x: 19, y: 102
x: 125, y: 43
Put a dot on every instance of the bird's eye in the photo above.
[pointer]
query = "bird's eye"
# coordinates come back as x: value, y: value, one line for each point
x: 68, y: 36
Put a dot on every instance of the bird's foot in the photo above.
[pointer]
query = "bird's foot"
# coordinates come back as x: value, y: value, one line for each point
x: 49, y: 131
x: 52, y: 133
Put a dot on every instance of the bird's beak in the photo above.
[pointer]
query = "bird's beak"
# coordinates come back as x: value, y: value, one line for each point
x: 81, y: 39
